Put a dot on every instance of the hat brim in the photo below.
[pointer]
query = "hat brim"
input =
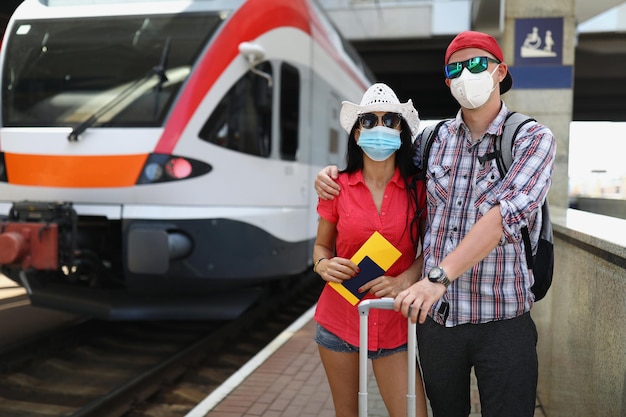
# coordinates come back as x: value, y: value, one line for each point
x: 350, y: 112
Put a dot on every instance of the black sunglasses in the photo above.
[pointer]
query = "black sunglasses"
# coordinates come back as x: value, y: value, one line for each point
x: 369, y: 120
x: 475, y: 65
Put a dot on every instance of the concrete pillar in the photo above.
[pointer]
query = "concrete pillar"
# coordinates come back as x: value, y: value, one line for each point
x: 539, y: 93
x: 552, y: 106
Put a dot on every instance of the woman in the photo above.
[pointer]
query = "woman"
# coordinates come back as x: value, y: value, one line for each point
x: 380, y: 192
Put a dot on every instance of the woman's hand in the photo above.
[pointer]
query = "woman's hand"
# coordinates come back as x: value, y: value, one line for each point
x: 386, y: 286
x: 337, y: 269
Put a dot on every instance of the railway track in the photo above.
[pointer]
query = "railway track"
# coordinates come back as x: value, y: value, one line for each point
x: 141, y: 369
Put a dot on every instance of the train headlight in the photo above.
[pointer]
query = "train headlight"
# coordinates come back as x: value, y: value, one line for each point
x: 162, y: 168
x: 153, y: 172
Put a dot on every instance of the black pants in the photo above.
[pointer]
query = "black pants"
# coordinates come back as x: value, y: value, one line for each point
x: 504, y: 357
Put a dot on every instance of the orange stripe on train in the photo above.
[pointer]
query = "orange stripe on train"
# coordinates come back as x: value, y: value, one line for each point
x: 74, y: 171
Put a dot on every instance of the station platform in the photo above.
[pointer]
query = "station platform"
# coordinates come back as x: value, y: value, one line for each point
x: 287, y: 379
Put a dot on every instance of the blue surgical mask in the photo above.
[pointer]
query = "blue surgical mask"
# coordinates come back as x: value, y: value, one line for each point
x: 379, y: 142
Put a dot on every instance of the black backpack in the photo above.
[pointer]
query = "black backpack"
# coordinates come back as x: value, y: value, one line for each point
x: 542, y: 263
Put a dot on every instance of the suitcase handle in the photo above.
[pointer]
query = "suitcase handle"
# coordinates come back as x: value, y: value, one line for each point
x: 385, y: 303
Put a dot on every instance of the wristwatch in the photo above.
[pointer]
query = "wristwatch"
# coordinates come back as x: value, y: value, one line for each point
x: 438, y: 275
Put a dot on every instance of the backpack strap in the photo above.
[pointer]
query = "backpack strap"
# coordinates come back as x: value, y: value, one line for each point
x: 504, y: 153
x: 504, y: 145
x: 428, y: 137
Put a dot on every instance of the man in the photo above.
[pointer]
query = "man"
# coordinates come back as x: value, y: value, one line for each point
x: 474, y: 306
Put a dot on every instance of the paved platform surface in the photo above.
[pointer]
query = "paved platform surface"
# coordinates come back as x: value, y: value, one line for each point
x: 288, y: 380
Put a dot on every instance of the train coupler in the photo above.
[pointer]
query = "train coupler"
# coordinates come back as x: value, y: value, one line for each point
x: 38, y: 235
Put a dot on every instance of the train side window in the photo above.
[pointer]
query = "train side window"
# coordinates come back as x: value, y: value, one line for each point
x: 242, y: 121
x: 289, y: 111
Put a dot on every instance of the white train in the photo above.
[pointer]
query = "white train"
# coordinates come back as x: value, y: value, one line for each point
x: 157, y: 157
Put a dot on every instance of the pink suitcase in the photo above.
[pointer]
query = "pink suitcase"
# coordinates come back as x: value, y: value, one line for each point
x: 364, y: 308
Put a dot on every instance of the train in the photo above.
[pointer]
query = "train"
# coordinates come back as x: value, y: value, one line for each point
x: 157, y: 158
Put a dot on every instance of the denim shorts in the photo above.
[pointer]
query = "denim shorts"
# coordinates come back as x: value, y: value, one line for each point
x: 328, y: 340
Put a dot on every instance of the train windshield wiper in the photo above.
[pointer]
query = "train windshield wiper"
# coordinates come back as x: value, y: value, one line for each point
x: 157, y: 70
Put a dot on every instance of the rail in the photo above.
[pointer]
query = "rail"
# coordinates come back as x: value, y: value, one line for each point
x: 582, y: 336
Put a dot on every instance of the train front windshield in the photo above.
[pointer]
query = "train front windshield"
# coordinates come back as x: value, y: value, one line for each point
x: 116, y: 71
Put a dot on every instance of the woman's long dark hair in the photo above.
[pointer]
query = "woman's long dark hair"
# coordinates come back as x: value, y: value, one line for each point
x: 404, y: 161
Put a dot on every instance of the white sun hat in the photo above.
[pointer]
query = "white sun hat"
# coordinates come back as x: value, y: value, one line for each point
x: 379, y: 98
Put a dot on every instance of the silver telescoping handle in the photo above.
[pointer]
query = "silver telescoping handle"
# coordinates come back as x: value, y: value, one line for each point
x: 385, y: 303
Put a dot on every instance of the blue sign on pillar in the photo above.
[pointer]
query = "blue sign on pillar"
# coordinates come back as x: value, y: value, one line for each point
x: 539, y: 54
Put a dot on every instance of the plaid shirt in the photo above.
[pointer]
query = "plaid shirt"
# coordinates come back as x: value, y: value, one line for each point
x: 460, y: 190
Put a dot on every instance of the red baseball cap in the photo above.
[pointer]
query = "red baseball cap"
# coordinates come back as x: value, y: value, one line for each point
x: 480, y: 40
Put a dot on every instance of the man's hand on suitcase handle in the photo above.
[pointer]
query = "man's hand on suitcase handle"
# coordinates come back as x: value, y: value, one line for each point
x: 416, y: 301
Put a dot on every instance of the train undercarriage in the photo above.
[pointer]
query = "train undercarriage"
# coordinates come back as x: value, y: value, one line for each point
x: 76, y: 264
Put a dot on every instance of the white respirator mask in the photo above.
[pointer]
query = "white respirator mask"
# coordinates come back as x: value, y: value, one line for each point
x: 473, y: 90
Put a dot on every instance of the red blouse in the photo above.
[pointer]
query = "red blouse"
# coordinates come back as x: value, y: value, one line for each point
x: 356, y: 217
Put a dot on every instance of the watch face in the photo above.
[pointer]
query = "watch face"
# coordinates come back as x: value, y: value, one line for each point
x: 435, y: 274
x: 438, y: 275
